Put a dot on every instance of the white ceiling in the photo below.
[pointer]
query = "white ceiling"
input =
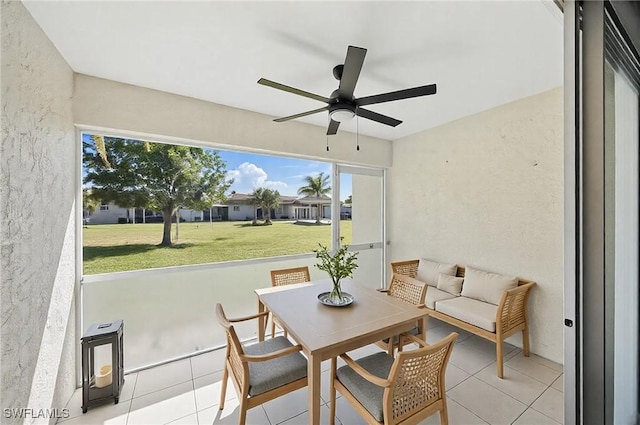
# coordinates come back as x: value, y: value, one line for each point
x: 480, y: 53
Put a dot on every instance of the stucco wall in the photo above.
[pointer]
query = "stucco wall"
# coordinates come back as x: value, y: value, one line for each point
x: 487, y: 191
x: 37, y: 234
x: 150, y: 112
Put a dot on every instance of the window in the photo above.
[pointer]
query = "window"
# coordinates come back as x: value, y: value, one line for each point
x: 225, y: 224
x: 104, y: 207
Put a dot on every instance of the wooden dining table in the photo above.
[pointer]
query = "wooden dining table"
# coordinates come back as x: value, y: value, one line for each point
x: 325, y: 332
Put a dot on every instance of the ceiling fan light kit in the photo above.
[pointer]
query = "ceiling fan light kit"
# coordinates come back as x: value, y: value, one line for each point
x: 342, y: 105
x: 342, y: 114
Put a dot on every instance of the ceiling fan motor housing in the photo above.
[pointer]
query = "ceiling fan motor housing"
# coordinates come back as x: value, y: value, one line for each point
x: 337, y: 71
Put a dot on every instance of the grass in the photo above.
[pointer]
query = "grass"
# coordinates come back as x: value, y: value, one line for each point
x: 120, y: 247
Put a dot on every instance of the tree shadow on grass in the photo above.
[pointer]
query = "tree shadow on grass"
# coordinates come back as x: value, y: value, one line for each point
x: 93, y: 252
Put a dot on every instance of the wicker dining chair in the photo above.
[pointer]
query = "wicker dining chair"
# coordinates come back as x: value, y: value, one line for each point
x: 411, y: 291
x: 260, y: 372
x: 287, y: 277
x: 389, y: 391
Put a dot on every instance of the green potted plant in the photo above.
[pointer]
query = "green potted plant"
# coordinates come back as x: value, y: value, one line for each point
x: 339, y: 265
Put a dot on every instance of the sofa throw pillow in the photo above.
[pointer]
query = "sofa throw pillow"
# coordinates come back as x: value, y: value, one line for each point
x: 429, y: 271
x: 450, y: 284
x: 486, y: 286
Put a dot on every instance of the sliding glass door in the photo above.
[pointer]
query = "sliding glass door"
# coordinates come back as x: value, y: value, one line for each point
x: 361, y: 212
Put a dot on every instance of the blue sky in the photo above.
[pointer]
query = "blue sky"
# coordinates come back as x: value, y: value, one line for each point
x: 285, y: 175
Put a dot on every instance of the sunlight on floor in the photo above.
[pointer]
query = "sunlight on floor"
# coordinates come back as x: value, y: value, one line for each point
x: 188, y: 391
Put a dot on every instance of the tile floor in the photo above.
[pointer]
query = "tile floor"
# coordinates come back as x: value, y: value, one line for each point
x: 187, y: 392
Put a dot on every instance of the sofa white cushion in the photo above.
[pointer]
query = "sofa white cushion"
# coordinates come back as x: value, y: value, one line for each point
x: 478, y: 313
x: 486, y: 286
x: 434, y: 295
x: 429, y: 271
x: 450, y: 284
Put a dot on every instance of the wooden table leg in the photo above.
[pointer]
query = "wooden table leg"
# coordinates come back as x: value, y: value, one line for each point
x: 313, y: 375
x: 261, y: 321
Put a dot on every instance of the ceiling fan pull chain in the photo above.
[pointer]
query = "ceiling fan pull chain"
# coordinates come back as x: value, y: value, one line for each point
x: 327, y: 143
x: 357, y: 130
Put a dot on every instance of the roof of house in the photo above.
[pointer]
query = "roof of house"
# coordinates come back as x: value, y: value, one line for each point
x: 243, y: 198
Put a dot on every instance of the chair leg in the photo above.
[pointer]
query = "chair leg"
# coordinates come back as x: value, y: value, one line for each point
x: 285, y: 332
x: 242, y: 414
x: 223, y: 391
x: 390, y: 347
x: 525, y: 341
x: 273, y: 328
x: 332, y: 392
x: 499, y: 358
x: 444, y: 415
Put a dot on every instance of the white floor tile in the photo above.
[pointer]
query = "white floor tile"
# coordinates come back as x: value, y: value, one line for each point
x: 161, y: 377
x: 346, y: 414
x: 187, y: 420
x: 533, y: 417
x: 517, y: 385
x: 161, y: 407
x: 75, y: 402
x: 204, y: 364
x: 534, y: 369
x: 229, y: 416
x: 107, y: 414
x: 324, y: 387
x: 546, y: 362
x: 493, y: 406
x: 551, y: 404
x: 287, y: 406
x: 458, y: 415
x: 473, y: 354
x: 303, y: 419
x: 453, y: 376
x: 207, y: 390
x: 558, y: 384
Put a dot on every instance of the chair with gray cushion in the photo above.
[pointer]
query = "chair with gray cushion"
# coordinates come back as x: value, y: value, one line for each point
x: 389, y: 391
x: 411, y: 291
x: 283, y: 277
x: 262, y: 371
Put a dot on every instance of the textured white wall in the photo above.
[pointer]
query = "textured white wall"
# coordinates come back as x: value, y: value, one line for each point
x: 487, y: 191
x: 137, y: 109
x: 37, y: 234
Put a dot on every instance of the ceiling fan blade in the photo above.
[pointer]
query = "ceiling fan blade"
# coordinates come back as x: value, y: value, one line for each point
x: 374, y: 116
x: 351, y: 71
x: 333, y: 128
x: 299, y: 92
x: 302, y: 114
x: 397, y: 95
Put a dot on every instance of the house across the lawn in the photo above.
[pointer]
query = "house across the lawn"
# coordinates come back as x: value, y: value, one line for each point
x: 238, y: 207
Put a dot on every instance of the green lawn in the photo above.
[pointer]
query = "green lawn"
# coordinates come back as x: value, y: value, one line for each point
x: 120, y: 247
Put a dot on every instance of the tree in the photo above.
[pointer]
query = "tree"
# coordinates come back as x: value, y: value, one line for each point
x: 156, y: 176
x: 89, y: 202
x: 317, y: 186
x: 349, y: 200
x: 270, y: 199
x: 255, y: 200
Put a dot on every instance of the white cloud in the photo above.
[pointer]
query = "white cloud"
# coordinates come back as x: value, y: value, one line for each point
x: 248, y: 177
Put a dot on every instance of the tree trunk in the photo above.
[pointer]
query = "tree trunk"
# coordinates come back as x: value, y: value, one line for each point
x: 167, y: 214
x: 318, y: 213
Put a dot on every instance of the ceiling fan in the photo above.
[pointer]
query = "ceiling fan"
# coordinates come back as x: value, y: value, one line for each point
x: 341, y: 104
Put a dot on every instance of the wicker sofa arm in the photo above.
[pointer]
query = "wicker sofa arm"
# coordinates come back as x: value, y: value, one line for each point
x: 512, y: 310
x: 407, y: 268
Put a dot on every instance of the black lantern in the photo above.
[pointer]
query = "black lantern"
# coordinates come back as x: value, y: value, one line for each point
x: 106, y: 383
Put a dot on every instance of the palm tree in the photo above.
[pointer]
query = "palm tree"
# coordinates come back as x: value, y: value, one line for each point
x: 317, y: 186
x: 255, y: 200
x: 270, y: 199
